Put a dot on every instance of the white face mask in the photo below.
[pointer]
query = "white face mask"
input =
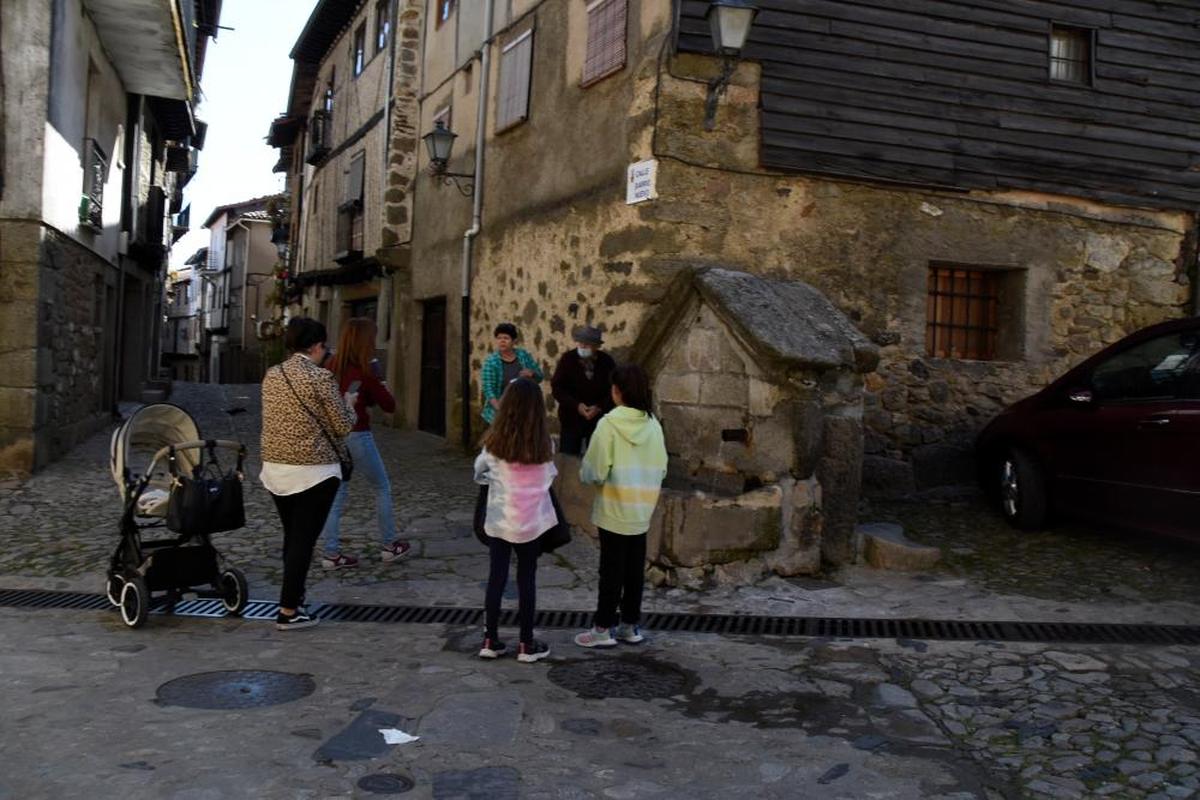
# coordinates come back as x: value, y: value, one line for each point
x: 584, y: 352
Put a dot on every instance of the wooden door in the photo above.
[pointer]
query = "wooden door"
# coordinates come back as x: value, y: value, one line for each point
x: 432, y: 416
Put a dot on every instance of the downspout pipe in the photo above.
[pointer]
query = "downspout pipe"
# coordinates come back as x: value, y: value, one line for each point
x: 476, y: 221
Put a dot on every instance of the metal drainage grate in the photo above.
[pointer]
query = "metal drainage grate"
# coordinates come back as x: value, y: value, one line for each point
x: 733, y: 624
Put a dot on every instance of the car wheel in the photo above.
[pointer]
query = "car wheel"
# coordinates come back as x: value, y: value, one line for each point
x: 1022, y: 486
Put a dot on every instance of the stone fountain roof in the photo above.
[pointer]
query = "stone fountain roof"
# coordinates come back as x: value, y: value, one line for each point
x: 787, y: 325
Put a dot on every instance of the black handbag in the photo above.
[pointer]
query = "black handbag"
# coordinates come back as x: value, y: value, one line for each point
x: 560, y: 534
x: 481, y: 516
x: 207, y: 501
x: 345, y: 460
x: 550, y: 540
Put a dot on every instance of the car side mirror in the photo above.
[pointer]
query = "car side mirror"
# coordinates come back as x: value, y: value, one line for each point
x: 1082, y: 396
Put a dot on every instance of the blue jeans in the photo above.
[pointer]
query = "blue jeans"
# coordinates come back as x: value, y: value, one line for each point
x: 368, y: 468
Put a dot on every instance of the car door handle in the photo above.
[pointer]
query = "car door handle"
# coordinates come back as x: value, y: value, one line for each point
x: 1150, y: 422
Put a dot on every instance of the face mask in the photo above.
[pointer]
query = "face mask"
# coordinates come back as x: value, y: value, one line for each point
x: 584, y: 352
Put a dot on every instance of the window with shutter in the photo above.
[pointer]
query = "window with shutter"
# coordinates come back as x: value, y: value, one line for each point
x: 605, y: 39
x: 516, y: 61
x: 354, y: 181
x: 350, y: 212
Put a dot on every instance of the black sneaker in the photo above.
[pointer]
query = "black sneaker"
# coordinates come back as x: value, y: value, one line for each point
x: 295, y: 622
x: 529, y: 652
x: 492, y: 648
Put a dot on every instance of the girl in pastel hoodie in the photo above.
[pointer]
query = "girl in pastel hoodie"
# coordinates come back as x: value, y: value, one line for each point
x: 628, y: 460
x: 517, y: 465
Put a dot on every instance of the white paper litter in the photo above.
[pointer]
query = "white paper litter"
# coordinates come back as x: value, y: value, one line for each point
x: 397, y: 736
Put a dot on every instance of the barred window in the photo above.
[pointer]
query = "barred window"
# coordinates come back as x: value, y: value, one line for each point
x: 605, y: 39
x: 1071, y: 54
x: 516, y: 61
x: 91, y: 209
x: 962, y: 313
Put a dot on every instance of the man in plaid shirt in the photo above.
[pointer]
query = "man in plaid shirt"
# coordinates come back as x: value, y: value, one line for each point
x: 503, y: 366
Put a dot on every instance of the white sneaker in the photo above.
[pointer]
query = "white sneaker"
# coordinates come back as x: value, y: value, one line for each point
x: 630, y: 634
x: 596, y: 637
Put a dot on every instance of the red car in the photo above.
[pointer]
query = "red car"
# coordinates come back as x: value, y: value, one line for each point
x: 1116, y: 440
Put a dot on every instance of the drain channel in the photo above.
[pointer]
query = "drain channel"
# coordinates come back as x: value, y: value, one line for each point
x: 734, y: 624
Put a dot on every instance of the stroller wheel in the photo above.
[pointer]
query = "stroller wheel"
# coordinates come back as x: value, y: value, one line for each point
x: 135, y: 602
x: 234, y: 592
x: 112, y: 589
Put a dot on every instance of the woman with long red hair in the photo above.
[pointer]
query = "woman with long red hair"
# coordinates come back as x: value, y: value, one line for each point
x: 356, y: 370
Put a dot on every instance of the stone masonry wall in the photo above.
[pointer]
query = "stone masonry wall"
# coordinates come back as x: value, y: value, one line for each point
x: 69, y: 352
x: 1080, y: 275
x: 51, y: 360
x: 405, y: 120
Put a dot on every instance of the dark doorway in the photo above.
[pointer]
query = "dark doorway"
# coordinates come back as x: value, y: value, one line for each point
x: 432, y: 416
x: 367, y: 307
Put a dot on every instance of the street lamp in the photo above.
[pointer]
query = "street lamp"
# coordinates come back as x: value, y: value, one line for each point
x: 439, y: 143
x: 729, y: 22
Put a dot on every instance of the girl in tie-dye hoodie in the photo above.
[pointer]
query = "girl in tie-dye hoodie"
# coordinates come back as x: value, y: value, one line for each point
x: 627, y: 459
x: 517, y: 466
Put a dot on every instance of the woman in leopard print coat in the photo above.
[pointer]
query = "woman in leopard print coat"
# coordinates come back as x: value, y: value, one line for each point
x: 305, y: 420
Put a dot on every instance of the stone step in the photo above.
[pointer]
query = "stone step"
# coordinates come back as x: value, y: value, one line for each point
x: 886, y: 547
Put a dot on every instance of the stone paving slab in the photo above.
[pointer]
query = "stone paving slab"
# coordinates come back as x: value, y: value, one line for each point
x: 743, y: 717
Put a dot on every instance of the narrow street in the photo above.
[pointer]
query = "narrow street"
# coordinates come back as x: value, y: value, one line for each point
x: 688, y: 714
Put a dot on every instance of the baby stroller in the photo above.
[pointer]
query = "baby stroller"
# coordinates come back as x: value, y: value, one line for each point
x: 186, y: 562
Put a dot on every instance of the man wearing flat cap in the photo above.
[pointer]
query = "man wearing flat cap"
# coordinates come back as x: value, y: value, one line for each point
x: 582, y: 385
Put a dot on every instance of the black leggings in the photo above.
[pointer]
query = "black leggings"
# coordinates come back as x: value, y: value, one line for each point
x: 622, y: 573
x: 527, y: 556
x: 303, y: 516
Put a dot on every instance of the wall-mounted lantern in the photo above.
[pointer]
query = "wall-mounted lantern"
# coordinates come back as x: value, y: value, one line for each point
x: 729, y: 21
x: 439, y: 143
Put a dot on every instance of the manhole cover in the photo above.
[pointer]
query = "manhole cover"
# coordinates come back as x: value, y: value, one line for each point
x: 640, y: 679
x: 235, y: 689
x: 385, y: 783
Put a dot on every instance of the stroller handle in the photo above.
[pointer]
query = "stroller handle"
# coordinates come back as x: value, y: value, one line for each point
x: 198, y: 444
x: 201, y: 444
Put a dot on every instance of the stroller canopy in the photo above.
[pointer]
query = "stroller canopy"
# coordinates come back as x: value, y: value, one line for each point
x: 147, y: 430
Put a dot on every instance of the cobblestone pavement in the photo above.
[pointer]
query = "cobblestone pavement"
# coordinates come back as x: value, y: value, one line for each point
x: 1105, y: 565
x: 758, y: 717
x: 685, y: 715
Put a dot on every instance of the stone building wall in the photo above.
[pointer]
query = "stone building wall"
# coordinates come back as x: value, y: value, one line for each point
x: 1079, y: 274
x: 52, y: 361
x: 70, y: 353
